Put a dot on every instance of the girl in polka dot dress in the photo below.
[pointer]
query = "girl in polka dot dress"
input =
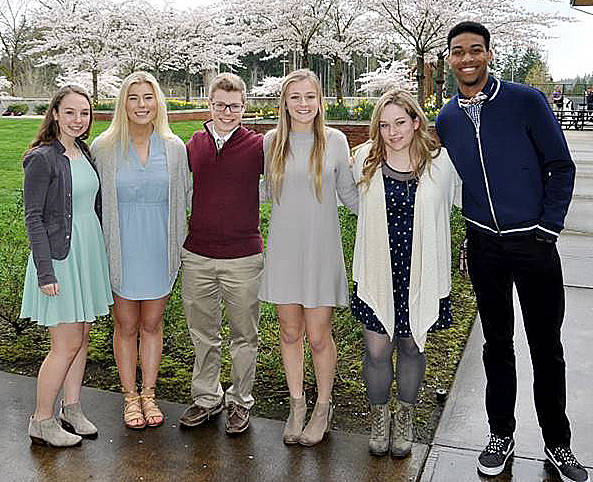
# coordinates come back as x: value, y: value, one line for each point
x: 402, y: 260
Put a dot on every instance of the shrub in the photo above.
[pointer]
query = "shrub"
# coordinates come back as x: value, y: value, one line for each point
x: 17, y: 109
x: 40, y: 109
x: 363, y: 110
x: 174, y: 104
x: 14, y: 252
x: 337, y: 111
x: 104, y: 105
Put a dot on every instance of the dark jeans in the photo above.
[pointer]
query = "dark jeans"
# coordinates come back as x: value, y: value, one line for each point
x: 494, y: 263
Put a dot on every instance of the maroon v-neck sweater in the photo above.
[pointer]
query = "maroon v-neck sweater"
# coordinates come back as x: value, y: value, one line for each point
x: 224, y: 222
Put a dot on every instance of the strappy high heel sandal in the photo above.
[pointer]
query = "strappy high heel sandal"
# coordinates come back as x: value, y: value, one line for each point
x: 150, y: 408
x: 133, y: 411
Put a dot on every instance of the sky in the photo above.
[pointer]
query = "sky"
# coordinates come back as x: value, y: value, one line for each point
x: 569, y: 51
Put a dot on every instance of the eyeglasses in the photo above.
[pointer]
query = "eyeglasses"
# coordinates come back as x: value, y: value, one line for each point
x: 221, y: 107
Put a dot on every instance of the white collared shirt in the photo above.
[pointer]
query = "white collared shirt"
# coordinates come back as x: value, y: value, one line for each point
x: 220, y: 140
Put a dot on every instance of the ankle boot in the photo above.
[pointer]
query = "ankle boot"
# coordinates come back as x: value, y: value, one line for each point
x: 296, y: 419
x: 380, y: 426
x: 75, y: 422
x: 319, y: 424
x: 401, y: 431
x: 49, y: 432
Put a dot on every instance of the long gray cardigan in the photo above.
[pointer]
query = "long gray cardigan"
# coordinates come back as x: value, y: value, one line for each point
x: 180, y: 193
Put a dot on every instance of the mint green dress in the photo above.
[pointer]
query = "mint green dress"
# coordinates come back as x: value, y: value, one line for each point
x: 83, y: 276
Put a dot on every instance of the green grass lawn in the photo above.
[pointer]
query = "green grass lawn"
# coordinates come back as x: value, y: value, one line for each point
x: 16, y: 135
x: 23, y: 345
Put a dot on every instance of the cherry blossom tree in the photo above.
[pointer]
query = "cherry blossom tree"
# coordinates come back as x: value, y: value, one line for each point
x: 107, y: 83
x: 389, y: 75
x: 423, y: 25
x: 203, y: 42
x: 5, y: 85
x: 268, y: 87
x: 15, y: 31
x: 80, y: 36
x: 348, y: 29
x: 278, y: 27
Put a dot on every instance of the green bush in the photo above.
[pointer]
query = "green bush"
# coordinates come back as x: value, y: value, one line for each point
x: 337, y: 111
x: 40, y: 109
x: 104, y: 105
x: 14, y: 252
x: 363, y: 110
x: 174, y: 104
x: 17, y: 109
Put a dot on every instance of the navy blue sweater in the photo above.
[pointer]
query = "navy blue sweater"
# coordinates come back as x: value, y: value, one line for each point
x: 515, y: 165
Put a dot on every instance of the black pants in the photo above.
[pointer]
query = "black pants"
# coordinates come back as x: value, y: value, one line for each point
x: 494, y: 263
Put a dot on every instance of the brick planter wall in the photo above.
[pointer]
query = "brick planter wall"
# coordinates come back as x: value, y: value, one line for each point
x: 357, y: 133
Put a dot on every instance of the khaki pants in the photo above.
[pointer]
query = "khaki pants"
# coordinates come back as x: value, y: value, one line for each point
x: 206, y: 283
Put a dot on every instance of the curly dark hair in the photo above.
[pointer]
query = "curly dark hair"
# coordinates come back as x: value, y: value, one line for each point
x: 469, y: 27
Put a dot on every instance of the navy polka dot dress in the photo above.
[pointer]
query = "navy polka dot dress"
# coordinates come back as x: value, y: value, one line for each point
x: 399, y: 201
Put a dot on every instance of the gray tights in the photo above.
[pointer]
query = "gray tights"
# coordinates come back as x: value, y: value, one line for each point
x: 378, y: 367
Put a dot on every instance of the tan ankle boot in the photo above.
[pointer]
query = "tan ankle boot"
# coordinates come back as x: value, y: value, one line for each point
x: 296, y: 419
x: 75, y: 422
x: 401, y: 431
x: 380, y: 426
x: 49, y: 432
x: 318, y: 425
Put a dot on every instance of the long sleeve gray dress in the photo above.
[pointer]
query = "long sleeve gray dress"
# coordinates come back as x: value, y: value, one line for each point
x: 304, y: 263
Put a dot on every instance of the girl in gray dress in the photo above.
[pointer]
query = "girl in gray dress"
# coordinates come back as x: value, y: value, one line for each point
x: 304, y: 274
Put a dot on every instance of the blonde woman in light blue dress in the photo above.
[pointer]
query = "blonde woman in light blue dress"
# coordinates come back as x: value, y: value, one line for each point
x: 145, y: 191
x: 67, y: 281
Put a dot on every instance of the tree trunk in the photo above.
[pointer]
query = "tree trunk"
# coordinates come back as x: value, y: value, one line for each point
x: 420, y: 77
x: 95, y: 87
x: 187, y: 86
x: 305, y: 59
x: 339, y: 77
x: 440, y: 78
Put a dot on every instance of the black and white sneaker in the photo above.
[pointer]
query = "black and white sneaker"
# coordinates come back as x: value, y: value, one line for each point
x: 566, y: 464
x: 494, y: 457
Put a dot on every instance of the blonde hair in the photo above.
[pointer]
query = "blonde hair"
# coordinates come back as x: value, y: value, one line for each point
x: 423, y: 149
x: 118, y: 132
x: 229, y: 83
x: 280, y: 146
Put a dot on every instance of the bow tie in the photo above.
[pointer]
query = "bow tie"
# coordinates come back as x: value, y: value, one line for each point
x: 476, y: 99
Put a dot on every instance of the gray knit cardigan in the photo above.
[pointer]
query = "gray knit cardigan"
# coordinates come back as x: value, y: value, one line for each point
x: 180, y: 194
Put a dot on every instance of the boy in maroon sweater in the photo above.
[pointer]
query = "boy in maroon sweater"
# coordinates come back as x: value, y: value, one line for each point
x: 222, y: 256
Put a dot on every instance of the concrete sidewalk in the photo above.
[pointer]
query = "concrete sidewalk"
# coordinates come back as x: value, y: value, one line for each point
x: 170, y: 453
x: 463, y: 429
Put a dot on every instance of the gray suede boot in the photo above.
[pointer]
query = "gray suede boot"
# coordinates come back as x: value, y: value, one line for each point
x: 75, y: 422
x: 380, y: 426
x: 401, y: 431
x: 296, y: 419
x: 49, y: 432
x: 319, y: 424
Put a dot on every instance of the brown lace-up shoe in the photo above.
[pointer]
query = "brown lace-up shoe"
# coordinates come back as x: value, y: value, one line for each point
x: 195, y: 414
x: 237, y: 419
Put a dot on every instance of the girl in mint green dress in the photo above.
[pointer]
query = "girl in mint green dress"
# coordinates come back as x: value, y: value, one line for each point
x: 67, y: 281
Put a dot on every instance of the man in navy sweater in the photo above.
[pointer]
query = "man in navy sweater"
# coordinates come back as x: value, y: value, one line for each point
x: 518, y: 178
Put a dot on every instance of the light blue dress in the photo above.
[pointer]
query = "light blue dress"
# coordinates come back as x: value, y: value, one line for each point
x: 83, y: 276
x: 143, y: 208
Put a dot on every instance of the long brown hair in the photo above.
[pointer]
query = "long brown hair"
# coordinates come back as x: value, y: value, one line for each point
x: 280, y: 146
x: 423, y: 149
x: 49, y: 130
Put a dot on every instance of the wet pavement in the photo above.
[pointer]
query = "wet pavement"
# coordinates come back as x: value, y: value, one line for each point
x: 170, y: 453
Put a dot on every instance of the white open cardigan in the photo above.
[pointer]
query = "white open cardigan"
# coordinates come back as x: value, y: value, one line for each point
x: 430, y: 271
